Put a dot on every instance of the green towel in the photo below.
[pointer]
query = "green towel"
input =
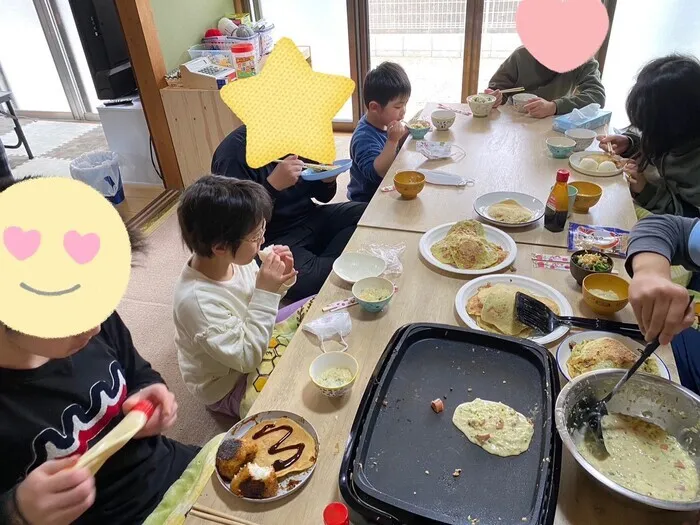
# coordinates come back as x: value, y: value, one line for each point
x: 184, y: 493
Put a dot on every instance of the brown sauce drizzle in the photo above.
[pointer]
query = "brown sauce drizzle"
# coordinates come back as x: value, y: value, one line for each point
x: 275, y: 449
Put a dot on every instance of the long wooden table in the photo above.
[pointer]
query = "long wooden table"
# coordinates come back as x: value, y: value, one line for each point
x: 504, y: 152
x: 425, y: 295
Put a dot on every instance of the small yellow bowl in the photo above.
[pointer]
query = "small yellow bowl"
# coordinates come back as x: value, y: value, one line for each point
x: 409, y: 183
x: 608, y: 283
x: 588, y: 195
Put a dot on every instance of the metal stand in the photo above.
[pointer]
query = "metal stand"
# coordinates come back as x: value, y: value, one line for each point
x: 6, y: 98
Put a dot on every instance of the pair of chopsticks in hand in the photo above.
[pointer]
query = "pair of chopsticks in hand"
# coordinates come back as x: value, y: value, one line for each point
x: 321, y: 167
x: 215, y: 516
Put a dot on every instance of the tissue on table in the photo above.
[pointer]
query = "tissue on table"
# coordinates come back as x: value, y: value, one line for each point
x: 589, y: 117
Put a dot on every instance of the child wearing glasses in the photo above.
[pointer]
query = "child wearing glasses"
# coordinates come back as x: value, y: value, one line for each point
x: 225, y: 305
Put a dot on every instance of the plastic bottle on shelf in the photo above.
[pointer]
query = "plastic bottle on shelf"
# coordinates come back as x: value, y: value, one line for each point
x: 244, y: 60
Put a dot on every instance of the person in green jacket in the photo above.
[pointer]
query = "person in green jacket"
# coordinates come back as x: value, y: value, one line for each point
x: 558, y: 93
x: 664, y: 109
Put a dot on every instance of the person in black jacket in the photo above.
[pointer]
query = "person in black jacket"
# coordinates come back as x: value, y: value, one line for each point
x: 316, y: 234
x: 59, y: 397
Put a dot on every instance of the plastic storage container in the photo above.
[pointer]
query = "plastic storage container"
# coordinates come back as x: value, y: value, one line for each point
x: 220, y: 57
x: 224, y: 43
x: 264, y: 32
x: 245, y: 60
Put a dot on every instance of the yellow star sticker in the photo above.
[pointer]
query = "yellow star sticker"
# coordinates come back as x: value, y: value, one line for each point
x: 288, y: 108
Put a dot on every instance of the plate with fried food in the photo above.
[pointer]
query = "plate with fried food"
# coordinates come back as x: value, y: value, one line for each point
x: 488, y: 303
x: 468, y: 248
x: 509, y: 209
x: 588, y: 351
x: 267, y: 456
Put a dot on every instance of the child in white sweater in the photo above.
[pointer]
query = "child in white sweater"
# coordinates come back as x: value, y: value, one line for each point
x: 226, y: 306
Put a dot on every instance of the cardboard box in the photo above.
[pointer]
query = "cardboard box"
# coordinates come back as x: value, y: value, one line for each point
x: 563, y: 122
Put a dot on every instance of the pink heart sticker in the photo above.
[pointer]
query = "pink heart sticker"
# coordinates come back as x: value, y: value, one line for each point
x: 21, y: 244
x: 81, y: 248
x: 562, y: 34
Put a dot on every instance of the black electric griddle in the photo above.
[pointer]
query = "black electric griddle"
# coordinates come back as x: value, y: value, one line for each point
x: 399, y: 462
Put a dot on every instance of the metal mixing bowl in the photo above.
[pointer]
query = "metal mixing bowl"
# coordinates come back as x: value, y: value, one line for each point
x: 654, y: 399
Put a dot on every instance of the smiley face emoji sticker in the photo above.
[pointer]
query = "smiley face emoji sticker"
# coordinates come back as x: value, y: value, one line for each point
x: 65, y: 257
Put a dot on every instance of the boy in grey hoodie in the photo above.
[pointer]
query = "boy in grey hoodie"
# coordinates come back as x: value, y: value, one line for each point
x: 664, y: 106
x: 559, y: 93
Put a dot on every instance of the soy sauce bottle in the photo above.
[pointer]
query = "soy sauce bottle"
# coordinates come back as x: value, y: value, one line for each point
x: 557, y: 208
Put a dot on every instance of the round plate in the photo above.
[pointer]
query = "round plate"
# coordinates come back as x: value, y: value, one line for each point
x: 576, y: 158
x: 494, y: 235
x: 352, y: 267
x: 470, y: 289
x: 311, y: 175
x: 289, y: 484
x: 564, y: 350
x: 483, y: 203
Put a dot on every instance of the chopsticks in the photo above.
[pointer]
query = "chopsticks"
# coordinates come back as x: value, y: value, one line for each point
x: 200, y: 511
x: 322, y: 167
x: 513, y: 90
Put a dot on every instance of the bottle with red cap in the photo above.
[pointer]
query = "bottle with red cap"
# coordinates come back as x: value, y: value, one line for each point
x: 336, y: 514
x: 557, y: 209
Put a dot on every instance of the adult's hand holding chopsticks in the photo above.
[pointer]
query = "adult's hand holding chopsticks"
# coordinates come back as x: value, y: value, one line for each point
x: 55, y: 493
x: 165, y: 413
x: 496, y: 93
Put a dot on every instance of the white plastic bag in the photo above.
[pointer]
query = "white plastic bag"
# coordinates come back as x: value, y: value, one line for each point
x: 329, y: 326
x: 391, y: 254
x: 100, y: 170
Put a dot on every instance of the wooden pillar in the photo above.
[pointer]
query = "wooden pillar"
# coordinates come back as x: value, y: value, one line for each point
x: 610, y: 6
x: 472, y: 47
x: 141, y: 36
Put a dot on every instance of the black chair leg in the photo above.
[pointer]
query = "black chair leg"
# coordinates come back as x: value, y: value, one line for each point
x: 18, y: 130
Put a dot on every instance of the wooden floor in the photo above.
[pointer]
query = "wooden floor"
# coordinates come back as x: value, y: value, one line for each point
x: 137, y: 197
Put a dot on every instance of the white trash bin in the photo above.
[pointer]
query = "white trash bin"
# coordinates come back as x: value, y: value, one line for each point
x: 100, y: 170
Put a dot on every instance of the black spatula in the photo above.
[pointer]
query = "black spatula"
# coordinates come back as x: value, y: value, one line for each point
x: 540, y: 317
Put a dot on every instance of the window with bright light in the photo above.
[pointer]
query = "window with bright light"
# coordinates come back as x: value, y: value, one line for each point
x: 641, y: 31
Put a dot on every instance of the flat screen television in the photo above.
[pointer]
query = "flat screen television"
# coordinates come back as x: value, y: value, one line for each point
x: 105, y: 48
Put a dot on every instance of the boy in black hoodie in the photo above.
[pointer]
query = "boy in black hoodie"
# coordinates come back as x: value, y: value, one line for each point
x: 60, y: 396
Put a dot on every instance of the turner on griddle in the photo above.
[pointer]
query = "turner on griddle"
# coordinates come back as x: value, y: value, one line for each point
x: 540, y: 317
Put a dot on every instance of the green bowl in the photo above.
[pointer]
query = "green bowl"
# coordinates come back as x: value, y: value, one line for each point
x: 373, y: 282
x: 418, y: 133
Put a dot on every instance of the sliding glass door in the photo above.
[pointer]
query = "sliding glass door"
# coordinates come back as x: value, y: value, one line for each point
x: 42, y: 61
x: 321, y: 25
x: 426, y: 37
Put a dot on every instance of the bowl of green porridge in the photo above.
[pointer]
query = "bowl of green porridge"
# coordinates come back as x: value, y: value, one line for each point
x: 373, y: 293
x: 334, y: 373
